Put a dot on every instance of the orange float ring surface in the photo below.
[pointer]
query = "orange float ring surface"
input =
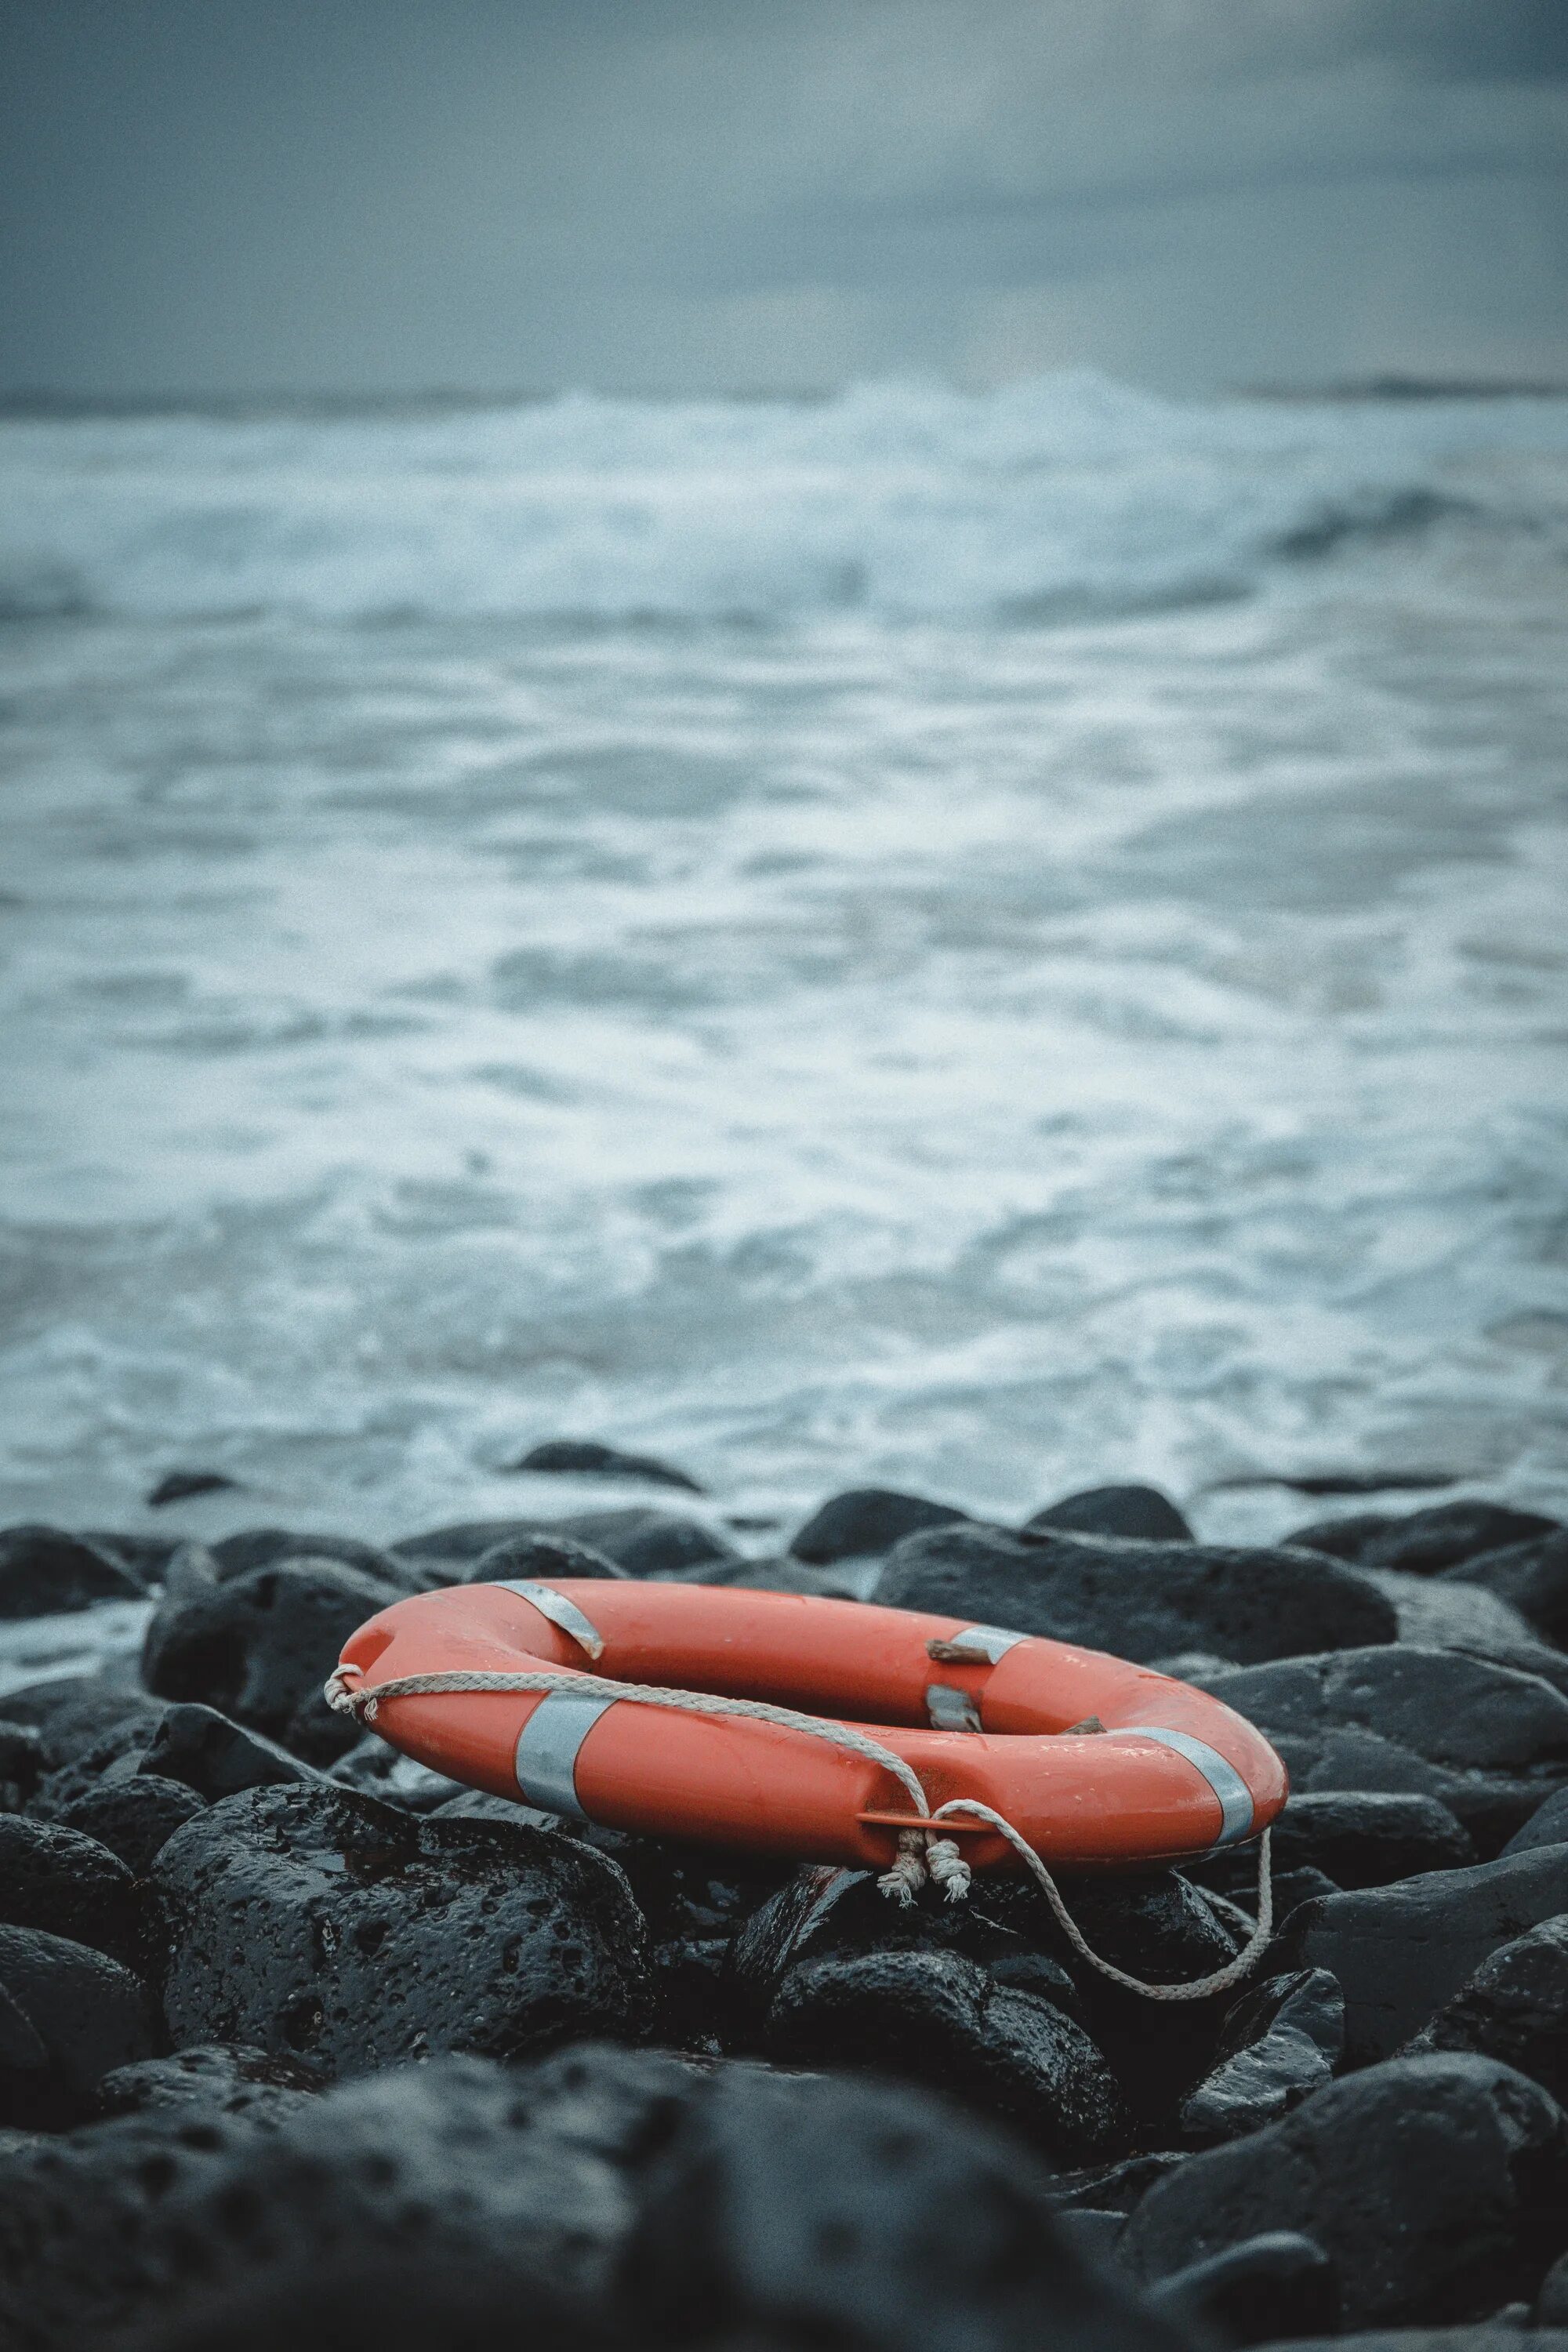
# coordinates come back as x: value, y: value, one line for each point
x: 1165, y: 1772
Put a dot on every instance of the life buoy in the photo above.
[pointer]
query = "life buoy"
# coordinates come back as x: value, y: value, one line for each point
x: 1096, y: 1763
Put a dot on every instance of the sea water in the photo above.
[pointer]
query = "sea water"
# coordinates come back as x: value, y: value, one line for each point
x: 975, y: 942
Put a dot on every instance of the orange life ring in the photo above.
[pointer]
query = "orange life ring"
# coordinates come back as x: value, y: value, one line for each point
x: 1166, y: 1771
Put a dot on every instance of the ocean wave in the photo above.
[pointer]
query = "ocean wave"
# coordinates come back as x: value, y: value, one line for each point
x: 1070, y: 496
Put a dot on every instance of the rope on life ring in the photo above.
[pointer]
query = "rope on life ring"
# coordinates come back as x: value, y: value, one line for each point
x: 921, y: 1855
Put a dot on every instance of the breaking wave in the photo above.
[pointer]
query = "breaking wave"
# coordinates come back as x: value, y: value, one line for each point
x: 1068, y: 496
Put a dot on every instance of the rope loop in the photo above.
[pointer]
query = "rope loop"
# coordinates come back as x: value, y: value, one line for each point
x: 922, y: 1854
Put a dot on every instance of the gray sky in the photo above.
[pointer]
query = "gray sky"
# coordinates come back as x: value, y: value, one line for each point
x: 386, y: 195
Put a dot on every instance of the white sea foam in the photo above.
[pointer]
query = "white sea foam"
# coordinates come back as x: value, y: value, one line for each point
x: 891, y: 1042
x: 1068, y: 497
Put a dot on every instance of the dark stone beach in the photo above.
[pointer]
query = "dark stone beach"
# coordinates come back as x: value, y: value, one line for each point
x: 300, y: 2040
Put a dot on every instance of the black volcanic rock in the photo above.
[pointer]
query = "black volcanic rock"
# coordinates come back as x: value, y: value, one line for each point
x: 1266, y: 2287
x: 43, y: 1570
x: 866, y: 1520
x: 1531, y: 1578
x: 1143, y: 1601
x: 539, y: 1560
x: 804, y: 2211
x: 581, y: 1457
x: 317, y: 1924
x: 68, y: 2015
x: 1424, y: 1543
x: 211, y: 2077
x: 180, y: 1486
x: 21, y: 1762
x: 1355, y: 1837
x: 649, y: 1543
x: 1515, y: 2007
x: 134, y: 1817
x: 253, y: 1548
x: 55, y: 1878
x: 1400, y: 1952
x: 1433, y: 2184
x: 1141, y: 1512
x: 260, y: 1647
x: 217, y: 1757
x: 1280, y: 2043
x: 935, y: 2017
x: 1487, y: 1741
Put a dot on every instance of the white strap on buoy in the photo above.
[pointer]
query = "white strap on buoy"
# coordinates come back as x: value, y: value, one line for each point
x: 920, y: 1854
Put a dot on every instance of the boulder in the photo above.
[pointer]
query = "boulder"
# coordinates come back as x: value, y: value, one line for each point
x: 319, y: 1924
x: 1401, y: 1951
x: 1139, y: 1511
x: 67, y: 1885
x: 1547, y: 1825
x: 213, y: 2077
x: 73, y: 1715
x: 1143, y: 1601
x: 539, y: 1560
x: 43, y: 1571
x: 139, y: 2219
x: 933, y: 2016
x: 21, y: 1763
x: 805, y: 2210
x: 1433, y: 2184
x: 1443, y: 1612
x: 254, y: 1548
x: 1485, y: 1740
x: 1444, y: 1536
x: 260, y: 1647
x: 1355, y: 1837
x: 649, y: 1543
x: 1280, y: 2043
x: 217, y: 1757
x: 585, y: 1457
x: 1252, y: 2293
x: 1515, y: 2007
x: 867, y: 1519
x: 1531, y: 1578
x: 134, y: 1817
x: 68, y: 2015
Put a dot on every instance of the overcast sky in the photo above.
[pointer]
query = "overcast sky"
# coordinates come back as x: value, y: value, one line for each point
x: 387, y: 195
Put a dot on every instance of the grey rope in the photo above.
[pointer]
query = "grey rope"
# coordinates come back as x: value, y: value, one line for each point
x: 919, y: 1854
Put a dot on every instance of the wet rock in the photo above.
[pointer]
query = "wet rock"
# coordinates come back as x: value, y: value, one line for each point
x: 1355, y: 1837
x: 134, y: 1818
x: 1483, y: 1739
x: 1547, y: 1825
x: 139, y: 2217
x: 21, y: 1763
x: 935, y: 2017
x: 867, y: 1519
x: 1425, y: 1542
x: 317, y: 1924
x: 260, y: 1647
x: 587, y: 1458
x: 56, y: 1879
x: 214, y: 2077
x: 114, y: 1757
x: 1433, y: 2184
x: 808, y: 2208
x: 217, y: 1757
x: 687, y: 1890
x: 72, y: 1715
x: 539, y: 1560
x: 1515, y: 2007
x: 465, y: 1539
x: 649, y: 1543
x: 180, y: 1486
x: 43, y: 1570
x: 1400, y: 1952
x: 1115, y: 2188
x: 1266, y: 2287
x: 1280, y: 2043
x: 68, y: 2015
x: 1139, y: 1511
x: 1440, y: 1612
x: 1531, y: 1578
x: 823, y: 1911
x: 378, y: 1771
x: 255, y: 1548
x: 1143, y: 1601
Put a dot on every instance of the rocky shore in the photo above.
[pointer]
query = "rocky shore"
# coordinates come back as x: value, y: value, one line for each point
x: 300, y: 2042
